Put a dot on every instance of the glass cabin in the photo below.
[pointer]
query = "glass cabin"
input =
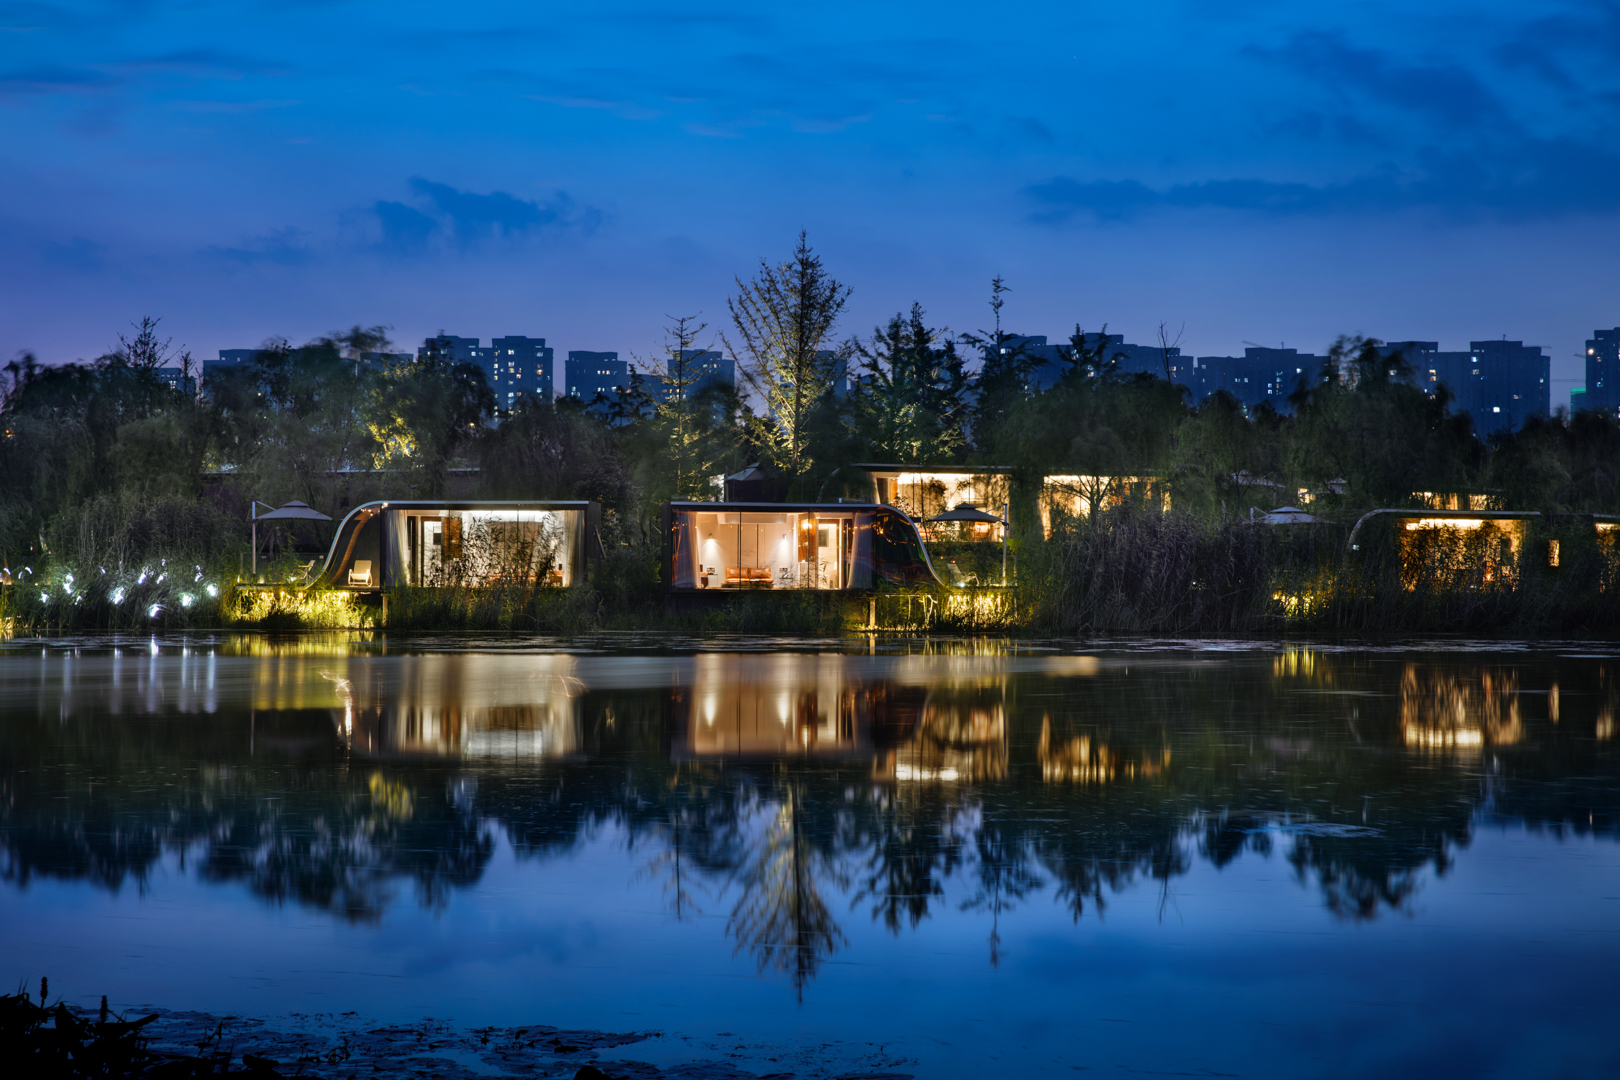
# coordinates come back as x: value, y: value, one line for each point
x: 833, y: 547
x: 461, y: 544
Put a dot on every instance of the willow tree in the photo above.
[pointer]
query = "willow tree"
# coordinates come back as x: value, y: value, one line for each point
x: 784, y: 320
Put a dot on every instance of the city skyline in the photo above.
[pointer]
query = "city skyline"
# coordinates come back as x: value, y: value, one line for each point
x: 1439, y: 171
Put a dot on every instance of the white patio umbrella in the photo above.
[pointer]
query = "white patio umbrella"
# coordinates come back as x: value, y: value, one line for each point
x: 1283, y: 515
x: 970, y: 513
x: 293, y: 511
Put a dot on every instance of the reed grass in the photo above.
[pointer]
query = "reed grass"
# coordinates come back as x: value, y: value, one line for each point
x: 1139, y: 571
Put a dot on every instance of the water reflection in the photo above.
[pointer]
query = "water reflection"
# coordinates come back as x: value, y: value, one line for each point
x: 790, y: 793
x: 1463, y: 711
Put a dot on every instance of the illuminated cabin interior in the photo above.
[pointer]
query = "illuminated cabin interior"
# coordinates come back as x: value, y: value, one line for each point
x: 830, y: 547
x: 1078, y: 497
x: 926, y: 490
x: 466, y: 544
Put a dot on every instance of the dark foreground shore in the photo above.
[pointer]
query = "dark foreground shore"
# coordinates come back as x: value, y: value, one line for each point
x: 63, y: 1041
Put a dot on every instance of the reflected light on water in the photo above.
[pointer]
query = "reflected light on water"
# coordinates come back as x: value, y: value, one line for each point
x: 795, y: 809
x: 1448, y: 710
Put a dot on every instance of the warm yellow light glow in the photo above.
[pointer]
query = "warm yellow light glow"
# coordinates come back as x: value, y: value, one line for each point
x: 912, y: 772
x: 1444, y: 523
x: 1444, y: 739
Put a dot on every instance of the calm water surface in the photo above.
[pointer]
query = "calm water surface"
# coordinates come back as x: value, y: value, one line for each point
x: 1179, y: 858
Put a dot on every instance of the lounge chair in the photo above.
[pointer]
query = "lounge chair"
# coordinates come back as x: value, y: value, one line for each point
x: 360, y: 573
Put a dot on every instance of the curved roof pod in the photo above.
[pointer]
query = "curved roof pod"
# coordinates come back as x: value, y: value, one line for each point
x: 822, y: 546
x: 1437, y: 516
x: 467, y: 542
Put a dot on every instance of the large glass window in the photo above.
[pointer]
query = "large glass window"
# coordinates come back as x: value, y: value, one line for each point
x: 796, y: 548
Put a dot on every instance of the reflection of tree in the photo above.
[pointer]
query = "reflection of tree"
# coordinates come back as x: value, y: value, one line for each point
x: 1005, y: 875
x: 912, y: 847
x: 306, y: 831
x: 1093, y: 789
x: 1356, y: 882
x: 781, y: 917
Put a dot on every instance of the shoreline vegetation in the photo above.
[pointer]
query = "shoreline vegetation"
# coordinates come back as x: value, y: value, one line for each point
x: 1126, y: 570
x: 126, y: 494
x: 58, y: 1041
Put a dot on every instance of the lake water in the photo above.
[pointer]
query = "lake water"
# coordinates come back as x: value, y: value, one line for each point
x: 958, y: 858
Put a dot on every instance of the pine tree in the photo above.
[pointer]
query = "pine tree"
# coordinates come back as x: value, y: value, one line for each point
x: 784, y: 320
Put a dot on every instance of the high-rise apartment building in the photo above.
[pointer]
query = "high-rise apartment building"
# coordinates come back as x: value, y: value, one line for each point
x: 704, y: 368
x: 1051, y: 361
x: 448, y: 347
x: 1602, y: 373
x: 591, y: 373
x: 1500, y: 384
x: 1261, y: 374
x: 518, y: 368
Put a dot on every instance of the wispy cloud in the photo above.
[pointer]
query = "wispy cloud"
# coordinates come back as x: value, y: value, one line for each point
x: 1446, y: 91
x: 440, y: 213
x: 280, y: 247
x: 1529, y: 178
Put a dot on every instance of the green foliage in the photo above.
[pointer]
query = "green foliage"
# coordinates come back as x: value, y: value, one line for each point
x: 107, y: 470
x: 784, y: 321
x: 910, y: 403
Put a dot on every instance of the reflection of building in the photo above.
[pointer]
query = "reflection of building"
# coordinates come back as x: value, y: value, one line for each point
x: 383, y: 544
x: 1082, y: 760
x: 467, y: 706
x: 1456, y: 712
x: 961, y: 735
x: 765, y: 706
x: 919, y: 722
x: 834, y: 546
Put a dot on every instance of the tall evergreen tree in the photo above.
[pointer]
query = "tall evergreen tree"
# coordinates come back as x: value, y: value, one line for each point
x: 911, y: 401
x: 784, y: 321
x: 1002, y: 381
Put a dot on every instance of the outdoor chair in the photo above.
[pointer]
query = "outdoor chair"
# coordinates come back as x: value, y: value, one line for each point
x: 360, y: 573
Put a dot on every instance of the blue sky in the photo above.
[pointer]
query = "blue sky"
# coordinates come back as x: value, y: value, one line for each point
x: 1254, y: 171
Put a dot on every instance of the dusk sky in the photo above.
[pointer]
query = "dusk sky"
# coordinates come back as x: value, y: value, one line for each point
x: 1254, y: 171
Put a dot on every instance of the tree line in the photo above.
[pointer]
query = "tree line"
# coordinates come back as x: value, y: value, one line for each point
x: 315, y: 422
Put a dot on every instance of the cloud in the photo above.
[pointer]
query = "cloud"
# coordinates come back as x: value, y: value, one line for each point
x: 55, y: 80
x: 404, y: 228
x: 77, y: 254
x: 199, y: 64
x: 442, y: 213
x: 1444, y: 91
x: 1521, y: 178
x: 279, y: 247
x: 28, y: 17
